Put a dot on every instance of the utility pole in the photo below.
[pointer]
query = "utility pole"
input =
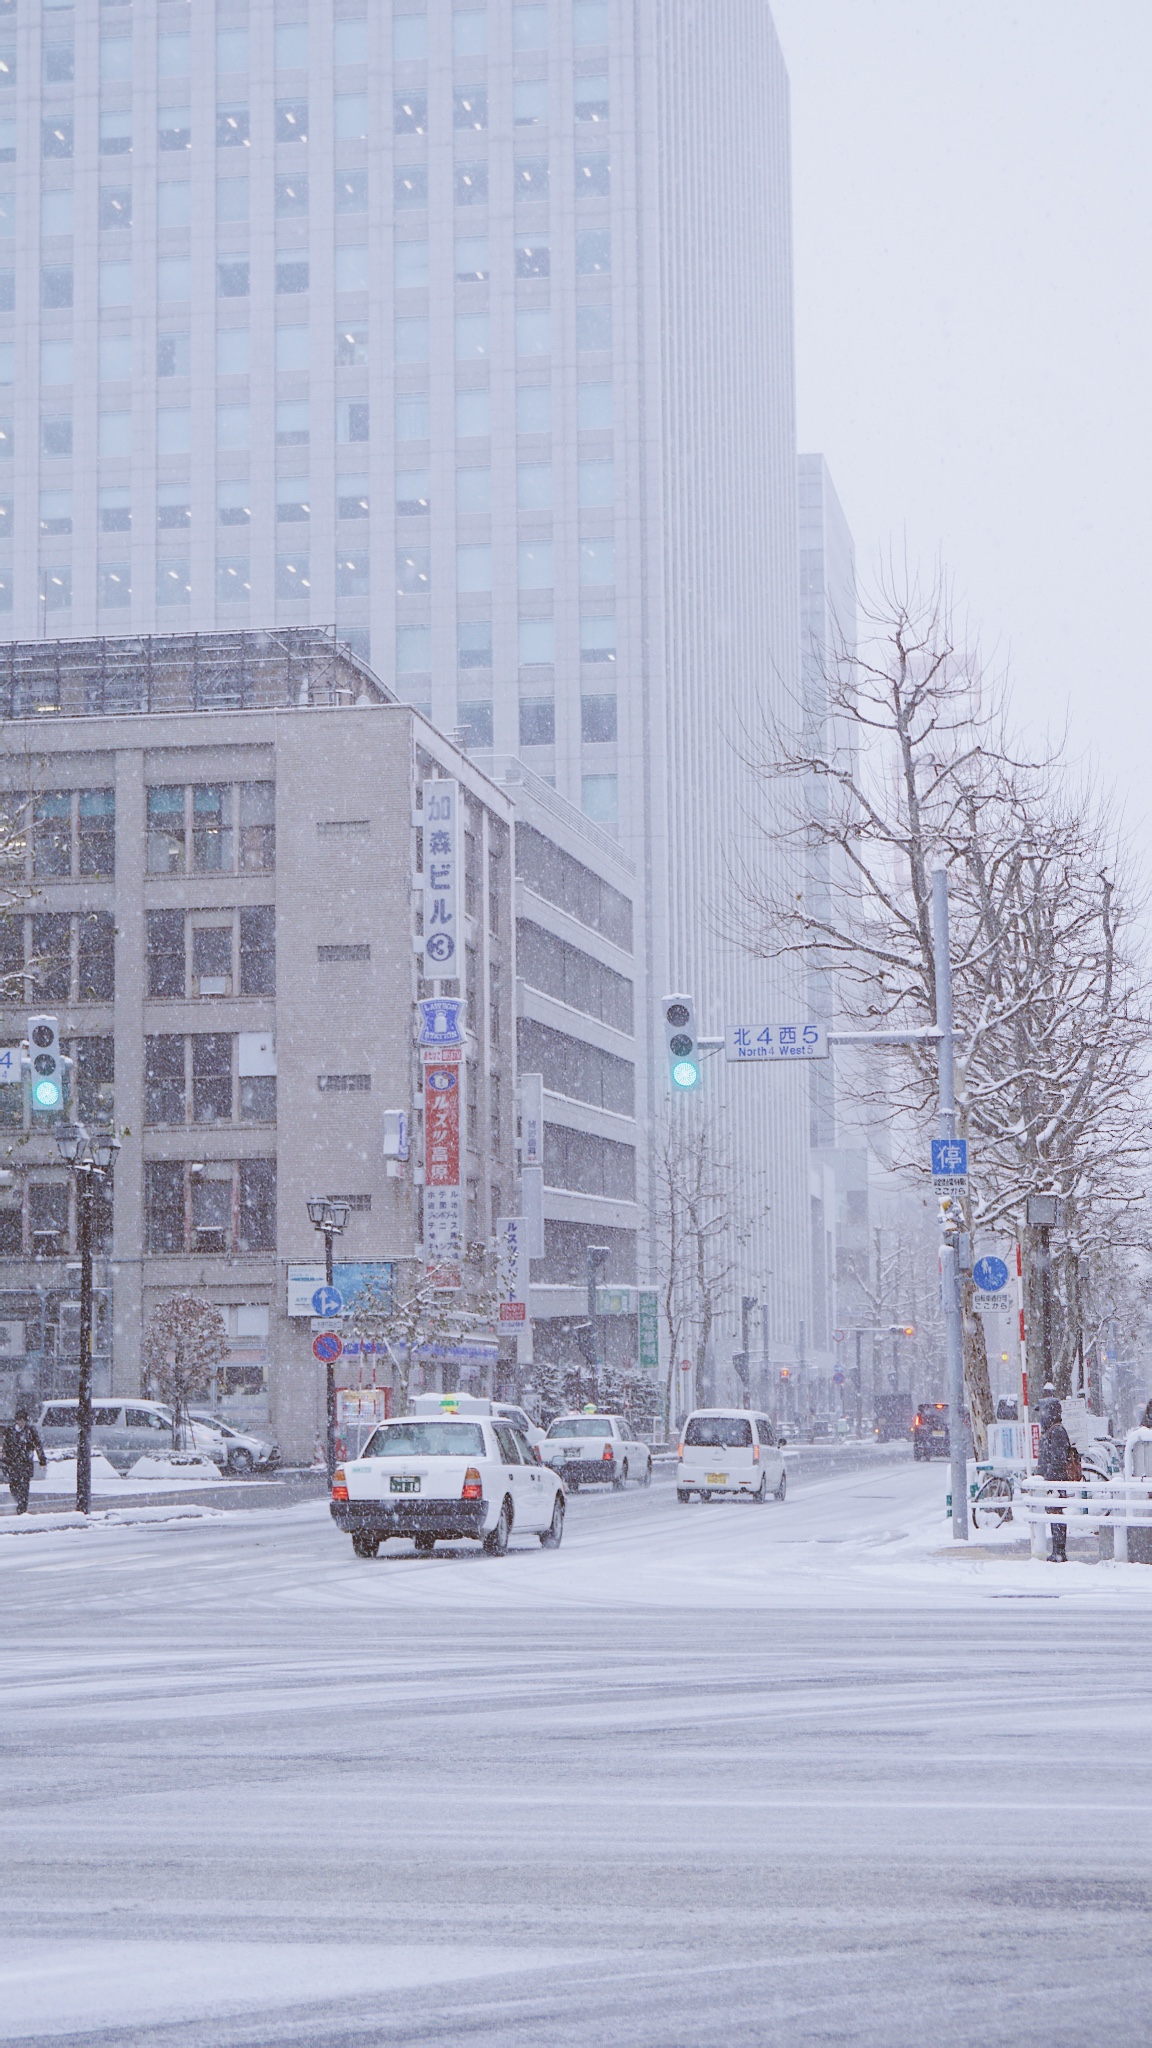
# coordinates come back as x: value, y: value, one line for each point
x: 597, y: 1256
x: 747, y: 1303
x: 859, y: 1390
x: 949, y: 1275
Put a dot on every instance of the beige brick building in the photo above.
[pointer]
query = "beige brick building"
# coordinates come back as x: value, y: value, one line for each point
x: 217, y: 900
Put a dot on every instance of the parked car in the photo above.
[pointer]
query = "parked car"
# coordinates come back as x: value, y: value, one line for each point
x: 726, y: 1452
x: 125, y: 1430
x: 243, y: 1451
x: 893, y: 1417
x: 440, y: 1478
x: 596, y: 1450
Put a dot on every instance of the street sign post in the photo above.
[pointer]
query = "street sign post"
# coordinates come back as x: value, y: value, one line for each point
x: 950, y: 1165
x: 748, y: 1044
x: 327, y: 1347
x: 990, y: 1290
x: 327, y: 1301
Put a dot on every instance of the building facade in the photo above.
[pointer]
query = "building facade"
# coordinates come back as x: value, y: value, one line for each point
x: 217, y: 896
x: 467, y: 328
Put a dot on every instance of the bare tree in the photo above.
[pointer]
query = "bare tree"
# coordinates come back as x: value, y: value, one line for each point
x: 403, y: 1325
x: 694, y: 1205
x: 186, y: 1339
x: 915, y: 766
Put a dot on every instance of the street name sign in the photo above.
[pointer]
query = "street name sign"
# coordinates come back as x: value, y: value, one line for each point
x: 748, y: 1044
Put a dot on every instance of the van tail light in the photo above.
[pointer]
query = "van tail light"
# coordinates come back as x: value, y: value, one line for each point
x: 339, y: 1484
x: 471, y: 1489
x: 680, y: 1450
x: 606, y: 1453
x: 755, y: 1454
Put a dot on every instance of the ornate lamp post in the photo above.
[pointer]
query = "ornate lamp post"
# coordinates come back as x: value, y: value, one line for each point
x: 331, y: 1218
x: 90, y: 1161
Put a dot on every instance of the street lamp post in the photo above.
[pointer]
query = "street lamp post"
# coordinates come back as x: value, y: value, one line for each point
x: 90, y: 1161
x: 949, y: 1269
x: 597, y: 1256
x: 329, y: 1217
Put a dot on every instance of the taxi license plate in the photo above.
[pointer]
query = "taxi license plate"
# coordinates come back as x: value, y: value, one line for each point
x: 404, y: 1485
x: 716, y: 1478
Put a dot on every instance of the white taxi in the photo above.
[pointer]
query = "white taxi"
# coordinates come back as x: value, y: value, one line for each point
x: 438, y: 1478
x: 595, y: 1450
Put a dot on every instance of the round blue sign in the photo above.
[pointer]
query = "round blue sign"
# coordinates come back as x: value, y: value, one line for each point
x: 327, y: 1301
x: 990, y: 1275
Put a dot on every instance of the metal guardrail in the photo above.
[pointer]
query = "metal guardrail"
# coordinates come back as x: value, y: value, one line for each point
x: 1089, y: 1503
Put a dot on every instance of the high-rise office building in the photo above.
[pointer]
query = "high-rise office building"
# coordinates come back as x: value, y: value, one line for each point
x: 467, y: 328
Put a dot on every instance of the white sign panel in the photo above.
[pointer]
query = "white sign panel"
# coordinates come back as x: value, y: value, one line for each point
x: 255, y: 1053
x: 302, y: 1284
x: 443, y: 850
x: 444, y: 1235
x: 512, y: 1270
x: 532, y: 1122
x: 532, y: 1210
x: 747, y: 1044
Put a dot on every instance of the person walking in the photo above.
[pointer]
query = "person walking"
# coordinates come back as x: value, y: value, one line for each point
x: 21, y: 1445
x: 1056, y: 1459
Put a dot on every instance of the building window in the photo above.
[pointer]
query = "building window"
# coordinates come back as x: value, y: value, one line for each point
x: 530, y: 178
x: 469, y: 32
x: 474, y: 568
x: 471, y: 336
x: 470, y: 184
x: 52, y: 835
x: 352, y: 192
x: 201, y: 819
x: 56, y: 588
x: 173, y: 507
x: 409, y: 186
x: 173, y: 280
x: 596, y: 483
x: 410, y: 265
x: 598, y: 639
x: 529, y: 102
x: 292, y: 422
x: 113, y: 586
x: 231, y: 199
x: 474, y: 490
x: 174, y: 128
x: 589, y: 21
x: 534, y: 332
x: 470, y: 107
x: 533, y: 259
x: 412, y: 417
x: 232, y: 506
x: 164, y: 1083
x: 292, y: 346
x: 293, y: 503
x: 292, y: 580
x: 56, y: 136
x: 473, y: 415
x: 217, y: 1206
x: 594, y: 252
x: 472, y: 259
x: 350, y: 122
x: 232, y: 426
x: 211, y: 1077
x: 411, y: 340
x: 413, y: 650
x: 594, y: 328
x: 232, y: 279
x: 592, y: 99
x: 173, y: 355
x: 594, y: 410
x: 56, y: 286
x: 165, y: 1203
x: 410, y: 113
x: 291, y: 121
x: 597, y: 719
x: 537, y: 642
x: 258, y: 951
x: 96, y: 957
x: 165, y: 931
x: 530, y: 28
x: 233, y: 351
x: 534, y: 486
x: 93, y: 1075
x: 115, y: 59
x: 593, y: 175
x: 598, y: 798
x: 534, y: 409
x: 115, y: 509
x: 352, y: 346
x: 352, y: 497
x: 474, y: 643
x: 352, y: 419
x: 291, y: 275
x: 412, y: 493
x: 233, y: 581
x: 597, y: 561
x: 476, y: 723
x: 413, y: 572
x: 232, y: 128
x: 537, y: 721
x: 116, y: 133
x: 534, y: 565
x: 115, y: 206
x: 231, y: 49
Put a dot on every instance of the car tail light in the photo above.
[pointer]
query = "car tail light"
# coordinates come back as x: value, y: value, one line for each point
x: 606, y: 1453
x: 471, y: 1489
x: 339, y: 1484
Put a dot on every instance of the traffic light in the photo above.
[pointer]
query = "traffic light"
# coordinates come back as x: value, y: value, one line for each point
x: 47, y: 1065
x: 679, y: 1017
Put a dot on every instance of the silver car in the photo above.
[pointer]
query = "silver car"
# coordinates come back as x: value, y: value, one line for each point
x: 243, y: 1453
x: 124, y: 1430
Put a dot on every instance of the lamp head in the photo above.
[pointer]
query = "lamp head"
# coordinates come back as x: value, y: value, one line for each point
x: 71, y: 1142
x: 338, y: 1213
x: 105, y: 1147
x: 317, y: 1211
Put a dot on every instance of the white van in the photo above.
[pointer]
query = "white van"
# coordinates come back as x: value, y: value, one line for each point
x: 730, y: 1451
x: 477, y: 1404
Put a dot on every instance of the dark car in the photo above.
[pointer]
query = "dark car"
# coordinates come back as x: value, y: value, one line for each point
x: 893, y: 1418
x: 930, y: 1433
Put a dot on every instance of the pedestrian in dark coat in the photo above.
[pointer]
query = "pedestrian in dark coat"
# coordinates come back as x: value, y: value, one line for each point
x: 22, y: 1443
x: 1055, y: 1452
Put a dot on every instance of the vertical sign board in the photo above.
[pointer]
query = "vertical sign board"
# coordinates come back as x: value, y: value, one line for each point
x: 648, y: 1326
x: 443, y: 1194
x: 443, y: 957
x: 511, y: 1264
x: 531, y: 1119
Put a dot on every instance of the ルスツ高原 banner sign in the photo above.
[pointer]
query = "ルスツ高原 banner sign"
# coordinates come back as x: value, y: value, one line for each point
x: 444, y: 1236
x: 442, y: 853
x: 441, y: 1125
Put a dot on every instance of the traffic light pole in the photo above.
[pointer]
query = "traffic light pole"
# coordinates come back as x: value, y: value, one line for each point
x: 949, y: 1273
x: 85, y: 1192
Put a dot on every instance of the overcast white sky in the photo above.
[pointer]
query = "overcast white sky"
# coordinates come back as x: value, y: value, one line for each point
x: 973, y: 211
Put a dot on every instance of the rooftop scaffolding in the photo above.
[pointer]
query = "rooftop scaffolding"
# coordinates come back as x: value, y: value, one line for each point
x: 142, y: 672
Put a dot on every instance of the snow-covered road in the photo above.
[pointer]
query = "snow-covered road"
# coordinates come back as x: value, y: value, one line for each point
x: 705, y: 1776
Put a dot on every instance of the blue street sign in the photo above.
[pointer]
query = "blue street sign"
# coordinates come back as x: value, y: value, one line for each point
x: 327, y: 1301
x: 990, y: 1275
x: 838, y: 1379
x: 440, y: 1021
x: 950, y: 1158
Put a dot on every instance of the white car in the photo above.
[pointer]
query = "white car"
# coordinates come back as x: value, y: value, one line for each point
x: 596, y: 1450
x: 727, y: 1452
x: 242, y: 1451
x: 436, y: 1478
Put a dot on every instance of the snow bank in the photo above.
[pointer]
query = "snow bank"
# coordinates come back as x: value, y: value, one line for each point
x: 189, y: 1467
x: 105, y: 1518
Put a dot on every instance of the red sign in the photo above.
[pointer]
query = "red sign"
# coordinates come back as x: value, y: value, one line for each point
x: 513, y: 1312
x: 441, y: 1126
x: 327, y: 1347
